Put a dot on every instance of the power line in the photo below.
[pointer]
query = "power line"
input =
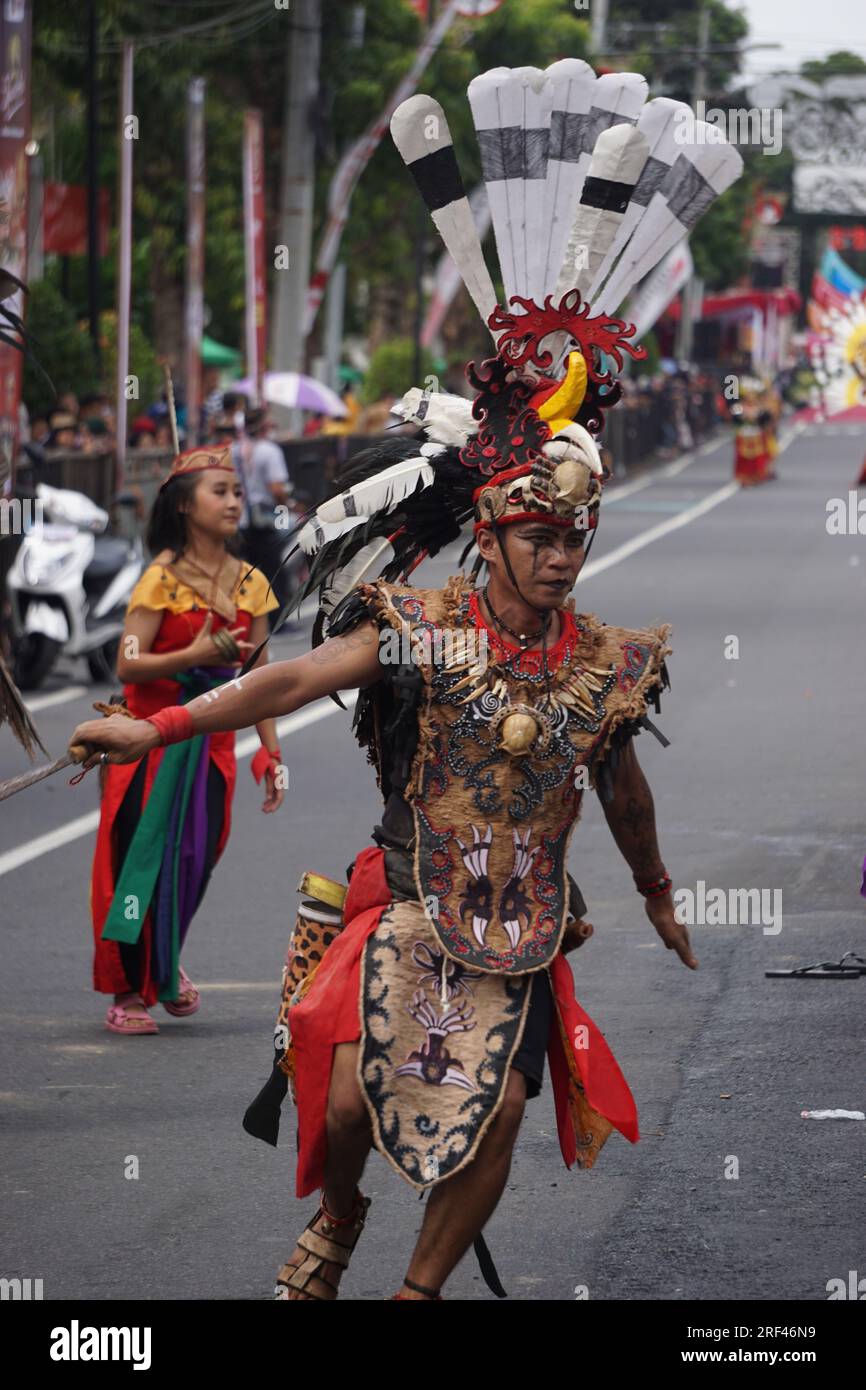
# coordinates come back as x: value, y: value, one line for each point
x: 249, y: 16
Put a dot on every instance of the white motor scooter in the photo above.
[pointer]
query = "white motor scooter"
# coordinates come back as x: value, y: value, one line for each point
x: 69, y: 587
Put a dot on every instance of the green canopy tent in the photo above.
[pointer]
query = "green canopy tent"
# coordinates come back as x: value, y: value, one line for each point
x: 217, y: 354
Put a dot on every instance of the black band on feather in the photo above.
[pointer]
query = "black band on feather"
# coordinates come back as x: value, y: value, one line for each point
x: 606, y: 194
x: 438, y: 178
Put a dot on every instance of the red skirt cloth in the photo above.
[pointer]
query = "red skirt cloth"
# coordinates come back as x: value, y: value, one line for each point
x: 329, y: 1015
x: 176, y: 631
x: 751, y: 467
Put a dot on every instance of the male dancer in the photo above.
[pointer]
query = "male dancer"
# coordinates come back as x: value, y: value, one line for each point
x: 423, y: 1026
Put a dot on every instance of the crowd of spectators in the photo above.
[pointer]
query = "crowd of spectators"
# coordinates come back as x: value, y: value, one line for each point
x: 684, y: 400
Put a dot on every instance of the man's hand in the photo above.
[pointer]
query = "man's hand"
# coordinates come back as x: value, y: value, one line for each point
x: 125, y: 740
x: 660, y: 911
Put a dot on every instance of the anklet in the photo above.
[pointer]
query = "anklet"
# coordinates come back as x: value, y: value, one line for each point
x: 420, y: 1288
x: 341, y: 1220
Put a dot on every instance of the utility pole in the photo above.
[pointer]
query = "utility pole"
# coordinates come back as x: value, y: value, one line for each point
x: 420, y: 249
x: 295, y: 221
x: 691, y: 299
x: 598, y: 30
x: 93, y: 182
x: 700, y: 82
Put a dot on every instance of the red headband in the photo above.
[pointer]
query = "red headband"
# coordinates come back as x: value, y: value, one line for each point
x: 199, y: 461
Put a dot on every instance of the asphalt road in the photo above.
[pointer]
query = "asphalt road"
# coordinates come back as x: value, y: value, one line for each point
x: 762, y: 787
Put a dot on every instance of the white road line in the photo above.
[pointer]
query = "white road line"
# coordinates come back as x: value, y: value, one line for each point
x: 627, y: 489
x: 43, y: 844
x: 84, y: 825
x: 59, y: 697
x: 663, y: 528
x: 655, y: 533
x: 670, y: 470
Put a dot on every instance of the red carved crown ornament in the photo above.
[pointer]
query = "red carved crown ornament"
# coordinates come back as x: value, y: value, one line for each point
x: 511, y: 433
x: 520, y: 336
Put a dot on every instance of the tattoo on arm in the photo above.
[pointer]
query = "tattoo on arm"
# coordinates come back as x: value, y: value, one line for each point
x: 635, y: 815
x: 631, y: 817
x: 339, y: 645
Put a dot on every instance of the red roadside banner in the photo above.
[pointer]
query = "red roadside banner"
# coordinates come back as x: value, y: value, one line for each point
x: 254, y: 247
x: 64, y: 219
x: 15, y: 36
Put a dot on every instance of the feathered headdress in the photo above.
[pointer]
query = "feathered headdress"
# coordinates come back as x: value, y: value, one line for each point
x: 589, y: 187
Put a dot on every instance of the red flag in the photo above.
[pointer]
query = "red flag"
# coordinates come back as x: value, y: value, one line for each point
x: 64, y: 219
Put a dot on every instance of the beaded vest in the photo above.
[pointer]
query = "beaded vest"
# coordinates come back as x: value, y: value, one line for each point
x: 501, y: 767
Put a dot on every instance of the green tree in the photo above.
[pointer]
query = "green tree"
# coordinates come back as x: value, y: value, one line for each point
x: 242, y: 58
x: 392, y: 368
x: 61, y: 348
x: 840, y: 64
x: 661, y: 41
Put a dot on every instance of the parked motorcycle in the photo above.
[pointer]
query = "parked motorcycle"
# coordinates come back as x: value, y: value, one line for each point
x: 69, y: 586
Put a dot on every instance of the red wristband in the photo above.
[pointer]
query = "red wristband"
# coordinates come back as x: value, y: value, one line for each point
x: 173, y: 724
x: 654, y: 887
x: 264, y: 759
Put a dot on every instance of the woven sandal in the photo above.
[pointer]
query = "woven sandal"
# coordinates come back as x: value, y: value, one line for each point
x: 308, y: 1277
x: 117, y: 1020
x: 187, y: 1002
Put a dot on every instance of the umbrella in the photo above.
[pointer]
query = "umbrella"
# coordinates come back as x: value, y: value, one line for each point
x: 293, y: 390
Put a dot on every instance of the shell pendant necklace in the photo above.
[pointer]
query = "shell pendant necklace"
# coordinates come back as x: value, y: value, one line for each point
x: 523, y: 727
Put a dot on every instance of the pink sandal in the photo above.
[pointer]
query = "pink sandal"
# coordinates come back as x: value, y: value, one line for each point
x: 117, y: 1020
x: 187, y: 1002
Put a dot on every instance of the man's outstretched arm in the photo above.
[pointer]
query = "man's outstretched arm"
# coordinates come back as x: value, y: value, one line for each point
x: 632, y: 820
x: 341, y: 663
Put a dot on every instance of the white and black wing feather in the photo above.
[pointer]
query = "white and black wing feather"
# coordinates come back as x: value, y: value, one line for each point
x: 421, y: 134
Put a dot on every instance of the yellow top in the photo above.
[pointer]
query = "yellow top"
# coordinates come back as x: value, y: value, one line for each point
x: 158, y: 588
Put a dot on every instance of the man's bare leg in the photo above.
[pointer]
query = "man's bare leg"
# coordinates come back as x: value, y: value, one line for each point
x: 350, y: 1139
x: 460, y: 1207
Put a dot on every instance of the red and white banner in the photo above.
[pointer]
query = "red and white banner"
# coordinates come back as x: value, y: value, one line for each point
x: 355, y: 161
x: 467, y: 9
x: 124, y: 251
x: 195, y: 233
x: 660, y: 287
x: 15, y: 17
x: 254, y: 247
x: 478, y: 9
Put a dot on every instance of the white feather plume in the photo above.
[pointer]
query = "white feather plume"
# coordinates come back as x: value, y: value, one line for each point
x: 385, y: 491
x: 447, y: 419
x: 373, y: 557
x: 316, y: 534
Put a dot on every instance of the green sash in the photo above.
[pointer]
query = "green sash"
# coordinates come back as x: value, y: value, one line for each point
x: 136, y: 881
